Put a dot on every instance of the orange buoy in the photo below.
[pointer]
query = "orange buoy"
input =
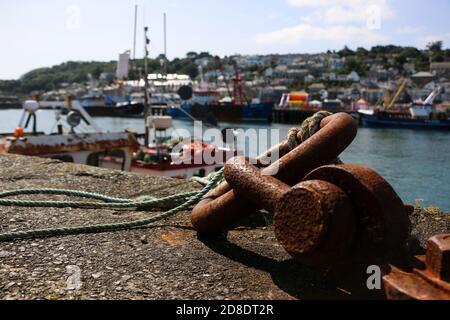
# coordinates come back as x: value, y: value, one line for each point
x: 18, y: 132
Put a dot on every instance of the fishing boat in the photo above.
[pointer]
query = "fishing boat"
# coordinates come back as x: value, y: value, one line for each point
x: 206, y: 104
x: 295, y: 107
x: 177, y: 157
x: 253, y: 112
x: 129, y: 109
x: 95, y: 106
x: 162, y: 155
x: 74, y: 137
x: 9, y: 102
x: 420, y: 115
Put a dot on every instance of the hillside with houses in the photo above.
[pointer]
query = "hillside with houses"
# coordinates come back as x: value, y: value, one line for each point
x: 347, y: 75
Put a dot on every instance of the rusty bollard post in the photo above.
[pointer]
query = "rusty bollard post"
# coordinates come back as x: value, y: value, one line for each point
x: 221, y: 208
x: 381, y: 217
x: 429, y: 280
x: 313, y: 220
x: 336, y: 210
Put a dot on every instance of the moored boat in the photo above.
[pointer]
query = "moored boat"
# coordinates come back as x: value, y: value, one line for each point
x: 75, y: 138
x: 420, y: 115
x: 182, y: 158
x: 9, y: 102
x: 402, y: 120
x: 252, y: 112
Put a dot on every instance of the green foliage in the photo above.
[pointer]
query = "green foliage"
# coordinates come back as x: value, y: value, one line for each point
x: 354, y: 64
x: 361, y: 52
x: 346, y: 52
x: 298, y: 85
x: 44, y: 79
x: 395, y: 56
x: 9, y: 86
x: 435, y: 46
x: 68, y: 72
x: 422, y: 63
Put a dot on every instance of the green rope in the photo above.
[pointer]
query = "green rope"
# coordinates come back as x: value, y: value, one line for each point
x: 110, y: 203
x: 175, y: 203
x: 64, y: 192
x: 188, y: 199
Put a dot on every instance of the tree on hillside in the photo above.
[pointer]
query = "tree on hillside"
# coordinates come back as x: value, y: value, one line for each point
x: 435, y: 46
x: 346, y: 52
x: 191, y: 55
x: 353, y: 64
x: 361, y: 52
x: 204, y: 54
x: 436, y: 53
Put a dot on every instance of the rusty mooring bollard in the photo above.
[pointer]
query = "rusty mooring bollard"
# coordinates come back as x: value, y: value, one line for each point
x: 313, y: 220
x: 335, y: 209
x: 381, y: 216
x: 221, y: 208
x: 429, y: 280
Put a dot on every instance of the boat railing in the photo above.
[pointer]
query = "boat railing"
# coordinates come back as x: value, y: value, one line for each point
x: 30, y: 108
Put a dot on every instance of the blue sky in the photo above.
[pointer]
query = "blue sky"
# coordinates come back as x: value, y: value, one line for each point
x: 47, y: 32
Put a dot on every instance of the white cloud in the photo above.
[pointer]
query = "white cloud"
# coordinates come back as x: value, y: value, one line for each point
x: 319, y: 3
x: 342, y: 12
x: 338, y: 35
x: 328, y: 3
x: 408, y: 30
x: 355, y: 22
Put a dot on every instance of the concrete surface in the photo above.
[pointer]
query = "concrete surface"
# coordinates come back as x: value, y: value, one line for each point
x: 163, y: 261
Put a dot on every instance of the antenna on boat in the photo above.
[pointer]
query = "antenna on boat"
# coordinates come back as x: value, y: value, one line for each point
x: 165, y: 35
x: 164, y: 60
x: 135, y: 31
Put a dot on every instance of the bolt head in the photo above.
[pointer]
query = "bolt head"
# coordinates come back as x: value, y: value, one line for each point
x: 314, y: 222
x: 438, y: 256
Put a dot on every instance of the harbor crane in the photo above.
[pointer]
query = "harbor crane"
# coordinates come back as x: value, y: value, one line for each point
x: 434, y: 94
x: 397, y: 94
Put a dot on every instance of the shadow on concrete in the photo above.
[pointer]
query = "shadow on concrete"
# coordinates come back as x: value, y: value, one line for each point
x: 298, y: 281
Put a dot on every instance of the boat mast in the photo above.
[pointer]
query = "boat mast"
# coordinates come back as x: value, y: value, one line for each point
x: 135, y: 32
x: 164, y: 62
x: 146, y: 102
x: 165, y: 37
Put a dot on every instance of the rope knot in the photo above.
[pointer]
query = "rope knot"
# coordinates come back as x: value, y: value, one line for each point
x: 309, y: 127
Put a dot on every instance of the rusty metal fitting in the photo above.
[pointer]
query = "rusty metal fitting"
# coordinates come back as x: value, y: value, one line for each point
x: 429, y: 280
x: 221, y: 208
x: 313, y: 220
x: 382, y: 221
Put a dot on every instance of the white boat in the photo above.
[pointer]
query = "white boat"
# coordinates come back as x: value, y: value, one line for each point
x: 177, y: 158
x: 74, y: 138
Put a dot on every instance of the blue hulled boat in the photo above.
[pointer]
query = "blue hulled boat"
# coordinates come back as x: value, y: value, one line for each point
x: 419, y: 116
x: 389, y: 121
x: 253, y: 112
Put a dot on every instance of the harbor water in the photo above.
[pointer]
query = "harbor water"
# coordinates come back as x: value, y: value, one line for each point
x: 415, y: 162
